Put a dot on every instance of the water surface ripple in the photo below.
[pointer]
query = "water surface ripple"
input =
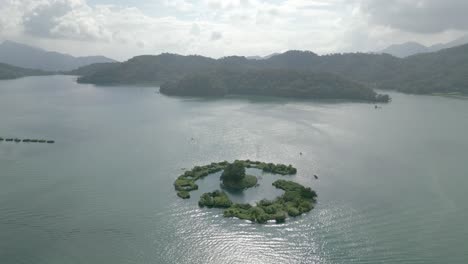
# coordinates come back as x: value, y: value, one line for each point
x: 392, y: 182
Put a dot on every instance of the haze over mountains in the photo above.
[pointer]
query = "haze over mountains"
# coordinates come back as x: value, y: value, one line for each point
x: 439, y: 72
x: 12, y: 72
x: 412, y: 48
x: 24, y: 56
x: 444, y: 71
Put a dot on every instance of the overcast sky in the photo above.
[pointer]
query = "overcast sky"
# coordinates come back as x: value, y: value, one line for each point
x: 124, y: 28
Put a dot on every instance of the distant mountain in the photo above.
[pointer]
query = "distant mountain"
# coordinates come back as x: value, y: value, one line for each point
x: 12, y: 72
x: 412, y: 48
x: 25, y: 56
x: 271, y: 55
x: 150, y: 69
x: 309, y: 73
x: 439, y: 72
x: 445, y: 71
x: 405, y: 49
x: 254, y: 58
x: 455, y: 43
x: 262, y: 58
x: 157, y: 69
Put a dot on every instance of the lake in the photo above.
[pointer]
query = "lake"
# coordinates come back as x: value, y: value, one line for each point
x: 392, y: 184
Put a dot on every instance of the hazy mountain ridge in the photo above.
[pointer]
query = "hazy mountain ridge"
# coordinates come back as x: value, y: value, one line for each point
x: 412, y: 48
x: 445, y: 71
x: 168, y: 67
x: 24, y: 56
x: 12, y: 72
x: 375, y: 70
x: 405, y: 49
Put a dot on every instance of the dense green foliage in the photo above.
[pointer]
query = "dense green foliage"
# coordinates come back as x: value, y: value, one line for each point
x: 247, y: 182
x: 186, y: 182
x: 234, y: 177
x: 183, y: 194
x: 12, y: 72
x: 90, y: 69
x: 149, y: 69
x: 295, y: 201
x: 234, y: 172
x: 275, y: 82
x: 216, y: 199
x: 443, y: 71
x: 271, y: 167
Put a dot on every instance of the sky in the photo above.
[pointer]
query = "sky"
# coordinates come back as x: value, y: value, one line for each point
x: 121, y: 29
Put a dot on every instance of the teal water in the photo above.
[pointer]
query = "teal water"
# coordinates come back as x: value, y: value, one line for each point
x: 392, y: 182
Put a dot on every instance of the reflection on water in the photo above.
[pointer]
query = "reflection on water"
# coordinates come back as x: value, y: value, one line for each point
x: 391, y: 187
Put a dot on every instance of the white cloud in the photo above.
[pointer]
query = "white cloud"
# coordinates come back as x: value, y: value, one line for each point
x: 422, y: 16
x: 216, y: 36
x: 195, y: 30
x: 226, y: 4
x: 181, y: 5
x: 43, y: 15
x: 224, y: 27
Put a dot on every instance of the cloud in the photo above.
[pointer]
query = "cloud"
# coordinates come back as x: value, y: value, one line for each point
x: 195, y: 30
x: 226, y: 27
x: 421, y: 16
x: 216, y: 36
x: 181, y: 5
x: 227, y: 4
x: 40, y: 19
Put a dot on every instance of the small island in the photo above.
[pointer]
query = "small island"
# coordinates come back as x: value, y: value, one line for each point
x: 234, y: 177
x: 295, y: 201
x: 186, y: 182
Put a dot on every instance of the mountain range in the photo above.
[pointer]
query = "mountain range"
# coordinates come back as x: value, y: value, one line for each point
x: 12, y: 72
x: 442, y: 71
x: 24, y: 56
x: 412, y: 48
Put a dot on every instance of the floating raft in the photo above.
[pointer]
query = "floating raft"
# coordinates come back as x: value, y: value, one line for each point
x: 27, y: 140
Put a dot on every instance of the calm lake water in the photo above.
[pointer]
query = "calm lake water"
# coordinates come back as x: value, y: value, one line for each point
x: 392, y: 182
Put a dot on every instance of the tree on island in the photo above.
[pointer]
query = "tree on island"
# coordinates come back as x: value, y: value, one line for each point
x: 234, y: 172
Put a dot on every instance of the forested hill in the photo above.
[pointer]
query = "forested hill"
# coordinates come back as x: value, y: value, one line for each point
x: 168, y: 67
x: 443, y: 71
x: 92, y: 68
x: 272, y: 82
x: 151, y: 69
x: 12, y: 72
